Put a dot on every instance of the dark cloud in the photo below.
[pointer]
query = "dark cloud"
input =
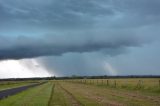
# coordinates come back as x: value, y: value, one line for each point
x: 63, y: 14
x: 76, y: 26
x: 71, y: 14
x: 26, y: 47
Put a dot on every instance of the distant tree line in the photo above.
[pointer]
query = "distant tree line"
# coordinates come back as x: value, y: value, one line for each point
x: 81, y: 77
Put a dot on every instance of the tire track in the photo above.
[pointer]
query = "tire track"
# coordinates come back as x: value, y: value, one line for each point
x: 73, y: 99
x: 113, y: 94
x: 51, y: 96
x: 93, y: 96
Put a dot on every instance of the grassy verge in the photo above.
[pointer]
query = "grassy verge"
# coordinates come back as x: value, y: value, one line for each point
x: 36, y: 96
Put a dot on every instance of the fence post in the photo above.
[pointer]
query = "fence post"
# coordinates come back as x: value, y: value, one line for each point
x: 159, y: 83
x: 139, y: 84
x: 107, y: 82
x: 115, y: 84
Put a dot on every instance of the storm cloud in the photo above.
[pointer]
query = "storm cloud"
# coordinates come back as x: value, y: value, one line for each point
x: 96, y: 31
x: 27, y: 47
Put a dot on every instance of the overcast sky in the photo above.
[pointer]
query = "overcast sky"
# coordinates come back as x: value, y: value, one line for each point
x: 79, y: 37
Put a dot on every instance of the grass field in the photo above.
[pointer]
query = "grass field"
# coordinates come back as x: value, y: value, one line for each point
x: 140, y: 84
x: 12, y: 84
x: 37, y: 96
x: 90, y: 92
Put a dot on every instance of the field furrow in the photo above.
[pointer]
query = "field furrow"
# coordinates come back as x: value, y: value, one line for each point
x: 108, y: 96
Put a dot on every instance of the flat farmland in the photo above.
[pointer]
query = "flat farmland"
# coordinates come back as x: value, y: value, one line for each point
x: 115, y: 93
x: 90, y: 92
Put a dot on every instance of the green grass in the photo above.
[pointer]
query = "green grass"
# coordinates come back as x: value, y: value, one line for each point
x: 78, y: 93
x: 57, y: 97
x: 36, y: 96
x: 61, y: 97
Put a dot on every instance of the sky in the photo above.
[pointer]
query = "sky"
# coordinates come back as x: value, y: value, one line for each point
x: 41, y: 38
